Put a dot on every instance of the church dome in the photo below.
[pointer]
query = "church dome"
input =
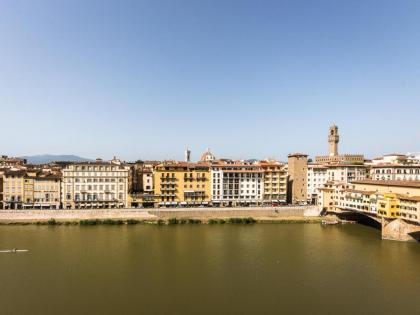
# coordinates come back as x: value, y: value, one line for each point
x: 207, y: 156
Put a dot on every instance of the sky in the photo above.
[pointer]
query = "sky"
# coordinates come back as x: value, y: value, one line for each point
x: 145, y: 79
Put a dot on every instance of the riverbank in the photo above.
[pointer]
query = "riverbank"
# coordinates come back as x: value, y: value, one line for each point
x: 161, y: 216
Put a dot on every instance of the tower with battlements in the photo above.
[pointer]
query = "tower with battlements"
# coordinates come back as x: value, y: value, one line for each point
x: 333, y: 139
x: 333, y: 157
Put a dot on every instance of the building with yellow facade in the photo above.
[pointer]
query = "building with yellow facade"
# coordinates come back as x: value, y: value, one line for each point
x: 182, y: 183
x: 388, y: 206
x: 13, y: 189
x: 46, y: 191
x: 274, y: 181
x: 31, y: 189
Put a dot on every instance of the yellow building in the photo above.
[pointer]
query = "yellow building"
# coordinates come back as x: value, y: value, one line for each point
x: 13, y: 189
x: 182, y: 183
x: 388, y: 206
x: 275, y: 181
x: 27, y: 189
x: 46, y: 191
x: 28, y: 192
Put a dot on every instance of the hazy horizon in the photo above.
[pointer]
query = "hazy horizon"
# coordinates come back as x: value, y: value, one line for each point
x: 146, y: 79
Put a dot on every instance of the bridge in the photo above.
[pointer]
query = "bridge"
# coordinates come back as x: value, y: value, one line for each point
x: 396, y: 229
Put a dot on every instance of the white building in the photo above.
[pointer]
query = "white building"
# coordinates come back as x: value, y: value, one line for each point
x: 317, y: 177
x: 394, y: 158
x: 95, y: 185
x: 236, y: 183
x: 413, y: 158
x: 395, y: 172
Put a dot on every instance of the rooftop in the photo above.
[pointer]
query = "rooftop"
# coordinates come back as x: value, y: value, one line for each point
x: 389, y: 165
x: 394, y: 183
x: 297, y: 155
x: 410, y: 198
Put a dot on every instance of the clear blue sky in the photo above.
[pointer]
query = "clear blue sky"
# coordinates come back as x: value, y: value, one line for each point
x: 249, y: 79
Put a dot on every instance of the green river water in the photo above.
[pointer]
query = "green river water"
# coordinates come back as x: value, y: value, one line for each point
x: 207, y: 269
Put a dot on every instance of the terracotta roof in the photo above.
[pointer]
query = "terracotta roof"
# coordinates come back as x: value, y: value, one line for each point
x: 388, y: 165
x: 245, y: 171
x: 317, y: 166
x: 394, y: 183
x: 180, y: 164
x: 207, y: 155
x: 266, y: 163
x: 94, y: 163
x: 15, y: 173
x: 233, y: 164
x: 411, y: 198
x: 364, y: 192
x: 45, y: 177
x: 346, y: 165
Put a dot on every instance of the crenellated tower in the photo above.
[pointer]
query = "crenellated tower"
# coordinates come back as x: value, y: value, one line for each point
x: 333, y: 139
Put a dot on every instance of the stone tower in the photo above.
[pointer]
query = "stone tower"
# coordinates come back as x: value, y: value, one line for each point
x: 187, y: 155
x: 333, y: 139
x: 297, y: 181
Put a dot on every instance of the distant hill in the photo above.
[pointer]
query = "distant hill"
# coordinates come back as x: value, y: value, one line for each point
x: 47, y: 158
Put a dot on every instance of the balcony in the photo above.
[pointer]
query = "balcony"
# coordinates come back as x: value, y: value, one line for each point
x: 168, y: 180
x: 168, y: 188
x: 194, y: 193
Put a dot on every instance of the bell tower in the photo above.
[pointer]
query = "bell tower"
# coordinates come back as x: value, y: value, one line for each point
x: 333, y: 139
x: 187, y: 155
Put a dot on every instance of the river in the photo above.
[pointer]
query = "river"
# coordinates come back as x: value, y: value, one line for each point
x: 207, y: 269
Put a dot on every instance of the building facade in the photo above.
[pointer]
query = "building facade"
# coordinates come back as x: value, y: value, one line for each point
x: 141, y: 184
x: 97, y: 184
x: 236, y: 183
x: 346, y: 173
x: 46, y: 191
x: 395, y: 172
x: 274, y: 181
x: 317, y: 176
x: 182, y: 184
x: 13, y: 189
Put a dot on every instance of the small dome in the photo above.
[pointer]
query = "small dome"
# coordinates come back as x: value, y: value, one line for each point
x: 207, y: 156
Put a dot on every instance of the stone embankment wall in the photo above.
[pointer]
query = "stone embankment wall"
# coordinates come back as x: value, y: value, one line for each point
x: 9, y: 216
x: 208, y: 213
x: 16, y: 216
